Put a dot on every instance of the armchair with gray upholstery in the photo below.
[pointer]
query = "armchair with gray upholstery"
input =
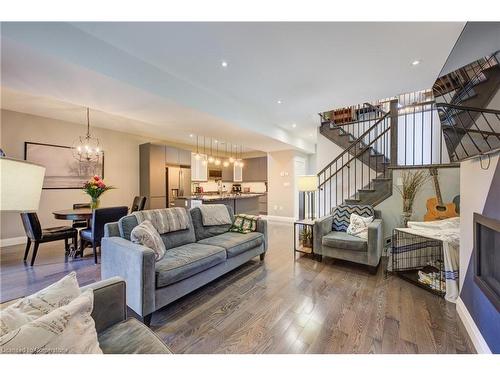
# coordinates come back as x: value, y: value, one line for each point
x: 116, y: 333
x: 332, y: 240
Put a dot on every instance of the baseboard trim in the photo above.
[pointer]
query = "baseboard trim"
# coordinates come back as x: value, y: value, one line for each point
x: 283, y: 219
x: 12, y: 241
x: 475, y: 335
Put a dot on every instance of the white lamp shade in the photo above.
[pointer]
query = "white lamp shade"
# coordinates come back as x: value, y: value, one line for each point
x: 307, y: 183
x: 21, y: 185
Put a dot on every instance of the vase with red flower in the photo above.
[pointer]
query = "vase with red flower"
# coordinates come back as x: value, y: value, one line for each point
x: 95, y: 187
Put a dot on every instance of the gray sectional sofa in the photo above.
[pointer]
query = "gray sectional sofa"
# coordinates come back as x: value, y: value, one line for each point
x: 195, y: 256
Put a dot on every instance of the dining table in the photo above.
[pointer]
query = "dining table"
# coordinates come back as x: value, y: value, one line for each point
x: 74, y: 214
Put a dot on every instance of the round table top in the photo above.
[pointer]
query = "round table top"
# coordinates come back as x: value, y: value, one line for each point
x: 73, y: 214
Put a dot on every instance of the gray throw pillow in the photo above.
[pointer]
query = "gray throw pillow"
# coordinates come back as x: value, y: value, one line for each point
x: 146, y: 234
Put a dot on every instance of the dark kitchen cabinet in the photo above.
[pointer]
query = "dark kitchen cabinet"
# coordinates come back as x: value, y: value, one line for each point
x: 255, y: 169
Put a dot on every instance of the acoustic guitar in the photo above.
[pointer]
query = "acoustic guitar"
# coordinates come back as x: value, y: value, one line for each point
x: 436, y: 210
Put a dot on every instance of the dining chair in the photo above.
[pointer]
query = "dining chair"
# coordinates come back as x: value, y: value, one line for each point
x: 80, y: 223
x: 95, y: 232
x: 138, y: 204
x: 36, y: 234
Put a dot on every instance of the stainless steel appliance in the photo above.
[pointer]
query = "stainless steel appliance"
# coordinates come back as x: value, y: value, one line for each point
x: 178, y: 183
x: 215, y: 174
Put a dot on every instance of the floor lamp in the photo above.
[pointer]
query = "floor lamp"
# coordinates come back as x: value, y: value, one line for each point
x: 20, y: 185
x: 307, y: 186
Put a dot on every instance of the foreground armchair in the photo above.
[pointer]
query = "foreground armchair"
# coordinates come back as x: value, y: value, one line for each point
x: 116, y: 333
x: 331, y: 239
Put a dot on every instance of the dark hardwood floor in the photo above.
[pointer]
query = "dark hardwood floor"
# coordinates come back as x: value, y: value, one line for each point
x: 277, y: 306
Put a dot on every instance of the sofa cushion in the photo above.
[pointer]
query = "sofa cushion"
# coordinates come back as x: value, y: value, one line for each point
x: 235, y: 243
x: 342, y: 213
x: 202, y: 231
x: 147, y: 235
x: 185, y: 261
x: 165, y: 220
x: 131, y: 337
x: 172, y: 239
x: 344, y: 241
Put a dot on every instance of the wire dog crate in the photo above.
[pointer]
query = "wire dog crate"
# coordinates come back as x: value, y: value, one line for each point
x: 419, y: 260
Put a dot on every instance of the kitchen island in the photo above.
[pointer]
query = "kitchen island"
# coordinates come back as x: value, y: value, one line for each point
x: 246, y: 203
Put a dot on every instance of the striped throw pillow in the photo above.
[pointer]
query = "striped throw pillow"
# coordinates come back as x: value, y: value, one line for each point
x: 342, y: 215
x: 146, y: 234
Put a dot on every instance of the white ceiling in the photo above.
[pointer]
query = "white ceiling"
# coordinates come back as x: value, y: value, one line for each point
x: 168, y: 76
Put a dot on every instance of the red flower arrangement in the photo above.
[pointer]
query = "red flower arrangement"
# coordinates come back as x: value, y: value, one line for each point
x: 95, y: 187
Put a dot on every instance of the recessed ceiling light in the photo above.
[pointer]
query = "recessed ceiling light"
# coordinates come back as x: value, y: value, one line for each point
x: 294, y: 125
x: 279, y: 102
x: 224, y: 64
x: 415, y: 63
x: 191, y: 135
x: 215, y: 140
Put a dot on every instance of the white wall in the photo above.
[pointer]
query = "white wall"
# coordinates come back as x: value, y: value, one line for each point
x: 392, y: 207
x: 282, y: 199
x: 474, y: 187
x: 121, y: 152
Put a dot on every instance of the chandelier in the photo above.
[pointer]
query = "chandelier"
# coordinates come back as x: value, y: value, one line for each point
x: 86, y: 148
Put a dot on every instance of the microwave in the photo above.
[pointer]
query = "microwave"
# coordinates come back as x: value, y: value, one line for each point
x: 215, y: 173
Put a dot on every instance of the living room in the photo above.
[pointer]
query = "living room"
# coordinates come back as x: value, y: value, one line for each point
x: 237, y: 188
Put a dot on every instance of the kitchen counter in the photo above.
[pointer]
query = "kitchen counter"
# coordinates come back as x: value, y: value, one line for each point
x: 245, y: 203
x: 218, y: 197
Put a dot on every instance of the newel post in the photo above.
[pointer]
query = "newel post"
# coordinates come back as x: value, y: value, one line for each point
x: 393, y: 114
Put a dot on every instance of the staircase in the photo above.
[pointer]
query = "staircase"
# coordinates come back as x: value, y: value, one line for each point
x: 457, y: 119
x: 360, y: 174
x: 462, y: 98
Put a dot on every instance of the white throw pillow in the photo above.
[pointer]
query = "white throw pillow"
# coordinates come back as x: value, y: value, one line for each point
x: 41, y: 303
x: 68, y: 329
x: 359, y: 226
x: 146, y: 234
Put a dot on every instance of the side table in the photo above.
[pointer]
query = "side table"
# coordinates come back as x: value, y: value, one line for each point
x: 303, y: 234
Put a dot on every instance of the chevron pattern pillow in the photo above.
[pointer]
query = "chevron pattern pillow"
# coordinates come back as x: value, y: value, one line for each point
x: 342, y: 214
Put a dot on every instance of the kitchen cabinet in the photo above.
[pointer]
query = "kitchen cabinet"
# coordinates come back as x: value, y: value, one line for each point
x: 152, y: 174
x: 199, y: 172
x: 228, y: 173
x: 255, y: 169
x: 156, y: 202
x: 237, y: 173
x: 177, y: 156
x: 184, y: 157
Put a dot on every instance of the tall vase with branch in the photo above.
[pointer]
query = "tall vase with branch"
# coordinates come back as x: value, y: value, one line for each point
x: 411, y: 183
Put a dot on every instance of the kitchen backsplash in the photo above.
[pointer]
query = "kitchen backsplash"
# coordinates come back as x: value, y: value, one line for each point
x: 211, y: 186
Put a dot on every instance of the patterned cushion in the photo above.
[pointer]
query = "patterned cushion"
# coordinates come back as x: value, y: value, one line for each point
x: 342, y: 214
x: 244, y: 223
x: 41, y: 303
x: 68, y: 329
x: 146, y: 234
x: 165, y: 219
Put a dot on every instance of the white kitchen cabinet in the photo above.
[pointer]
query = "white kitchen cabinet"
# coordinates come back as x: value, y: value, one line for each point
x: 237, y: 173
x: 199, y: 172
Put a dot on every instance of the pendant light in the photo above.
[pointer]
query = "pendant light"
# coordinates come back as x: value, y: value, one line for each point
x: 86, y: 149
x: 211, y: 158
x: 217, y: 160
x: 225, y: 164
x: 231, y: 158
x: 241, y: 157
x: 204, y: 162
x: 197, y: 155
